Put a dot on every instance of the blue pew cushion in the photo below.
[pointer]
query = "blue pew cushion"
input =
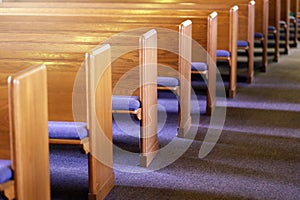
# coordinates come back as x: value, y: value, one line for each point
x: 242, y: 43
x: 125, y: 102
x: 167, y: 82
x: 199, y: 66
x: 5, y: 171
x: 67, y: 130
x: 223, y: 53
x: 281, y: 22
x: 258, y: 35
x: 271, y: 28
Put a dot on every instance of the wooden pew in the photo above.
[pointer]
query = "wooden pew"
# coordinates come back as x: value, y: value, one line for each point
x: 101, y: 175
x: 202, y: 19
x: 274, y: 26
x: 226, y: 39
x: 245, y: 19
x: 294, y: 19
x: 99, y: 122
x: 285, y: 22
x: 140, y: 80
x: 261, y: 25
x: 206, y: 42
x: 28, y: 117
x: 261, y: 19
x: 62, y: 47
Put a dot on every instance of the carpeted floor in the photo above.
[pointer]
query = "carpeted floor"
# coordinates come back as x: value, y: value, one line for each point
x: 257, y: 154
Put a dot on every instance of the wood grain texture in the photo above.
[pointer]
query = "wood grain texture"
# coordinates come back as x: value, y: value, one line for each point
x: 99, y: 106
x: 148, y: 96
x: 29, y: 138
x: 199, y: 22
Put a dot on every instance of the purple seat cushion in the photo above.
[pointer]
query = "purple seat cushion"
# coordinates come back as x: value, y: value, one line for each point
x: 242, y: 43
x: 199, y: 66
x: 167, y: 82
x: 5, y: 171
x: 258, y: 35
x: 67, y: 130
x: 281, y: 22
x: 271, y: 28
x: 223, y: 53
x: 125, y: 102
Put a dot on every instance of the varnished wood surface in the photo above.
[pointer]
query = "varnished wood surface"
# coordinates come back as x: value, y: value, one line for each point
x: 148, y: 96
x: 29, y: 138
x: 62, y: 29
x: 274, y: 18
x: 99, y: 106
x: 295, y: 9
x: 285, y: 16
x: 184, y: 63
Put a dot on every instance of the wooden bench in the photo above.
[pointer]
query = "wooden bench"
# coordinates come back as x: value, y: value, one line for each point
x: 261, y: 24
x: 285, y: 23
x: 261, y: 19
x: 211, y: 85
x: 27, y: 175
x: 274, y: 25
x: 294, y: 15
x: 227, y: 18
x: 101, y: 175
x: 62, y: 47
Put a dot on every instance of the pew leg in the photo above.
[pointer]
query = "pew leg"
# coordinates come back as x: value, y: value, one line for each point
x: 276, y: 52
x: 8, y: 190
x: 101, y: 179
x: 233, y: 78
x: 286, y: 45
x: 295, y: 41
x: 250, y: 55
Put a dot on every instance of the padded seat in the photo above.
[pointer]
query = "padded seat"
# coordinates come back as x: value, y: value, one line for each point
x: 271, y: 28
x: 167, y: 82
x: 222, y: 53
x: 258, y: 36
x: 292, y: 18
x: 125, y: 103
x: 242, y: 44
x: 67, y: 130
x: 199, y: 66
x: 282, y: 23
x: 5, y: 171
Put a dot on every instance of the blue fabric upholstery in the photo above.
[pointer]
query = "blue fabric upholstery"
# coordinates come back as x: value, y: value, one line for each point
x: 242, y: 43
x: 125, y: 102
x: 223, y: 53
x: 271, y: 28
x: 67, y: 130
x: 258, y: 35
x: 281, y: 22
x: 167, y: 82
x: 5, y: 171
x: 199, y: 66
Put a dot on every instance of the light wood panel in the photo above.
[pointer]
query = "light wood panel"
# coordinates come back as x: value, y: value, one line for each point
x: 98, y: 74
x: 29, y: 138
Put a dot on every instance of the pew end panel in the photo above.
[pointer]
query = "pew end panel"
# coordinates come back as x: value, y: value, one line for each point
x: 99, y: 121
x: 29, y: 138
x: 184, y: 65
x: 285, y: 23
x: 148, y: 94
x: 212, y: 21
x: 274, y: 18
